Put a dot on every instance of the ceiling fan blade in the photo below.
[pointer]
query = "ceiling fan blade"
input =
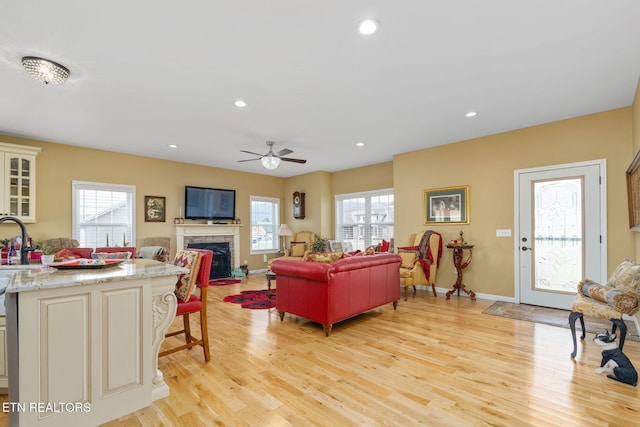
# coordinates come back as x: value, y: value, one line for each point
x: 248, y: 160
x: 284, y: 152
x: 251, y: 152
x: 288, y: 159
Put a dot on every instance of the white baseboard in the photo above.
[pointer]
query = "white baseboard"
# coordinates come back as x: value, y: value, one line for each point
x: 489, y: 297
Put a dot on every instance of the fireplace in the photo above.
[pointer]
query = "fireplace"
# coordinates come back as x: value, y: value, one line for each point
x: 221, y: 263
x: 187, y: 234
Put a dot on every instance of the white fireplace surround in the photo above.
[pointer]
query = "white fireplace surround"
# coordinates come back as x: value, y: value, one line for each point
x: 211, y: 233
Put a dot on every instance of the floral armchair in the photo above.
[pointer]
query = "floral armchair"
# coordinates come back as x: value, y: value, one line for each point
x: 420, y: 261
x: 619, y: 297
x: 300, y: 247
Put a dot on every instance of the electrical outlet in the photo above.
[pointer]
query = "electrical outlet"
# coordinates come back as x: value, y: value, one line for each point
x: 503, y: 233
x: 264, y: 257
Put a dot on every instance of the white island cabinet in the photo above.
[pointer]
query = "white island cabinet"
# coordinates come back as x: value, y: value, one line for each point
x: 83, y: 344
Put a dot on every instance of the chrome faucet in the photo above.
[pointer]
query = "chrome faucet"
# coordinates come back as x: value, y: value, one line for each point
x: 23, y: 246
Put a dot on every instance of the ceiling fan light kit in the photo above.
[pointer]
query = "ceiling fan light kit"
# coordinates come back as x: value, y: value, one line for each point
x: 272, y: 160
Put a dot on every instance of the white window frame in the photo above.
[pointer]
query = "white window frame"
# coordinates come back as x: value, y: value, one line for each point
x: 76, y: 186
x: 275, y: 239
x: 367, y: 223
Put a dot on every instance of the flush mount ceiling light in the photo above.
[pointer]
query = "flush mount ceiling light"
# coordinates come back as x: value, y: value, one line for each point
x: 360, y: 144
x: 471, y: 114
x: 368, y: 27
x: 240, y: 103
x: 46, y: 71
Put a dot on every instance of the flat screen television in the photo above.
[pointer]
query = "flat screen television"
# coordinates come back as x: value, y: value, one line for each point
x: 209, y: 203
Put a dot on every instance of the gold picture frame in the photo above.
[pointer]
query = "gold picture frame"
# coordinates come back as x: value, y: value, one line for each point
x: 448, y: 205
x: 154, y: 208
x: 633, y: 193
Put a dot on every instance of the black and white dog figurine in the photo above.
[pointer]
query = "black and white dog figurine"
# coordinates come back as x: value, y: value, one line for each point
x: 614, y: 362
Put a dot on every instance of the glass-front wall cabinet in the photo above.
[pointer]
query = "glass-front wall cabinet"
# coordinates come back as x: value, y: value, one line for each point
x: 17, y: 187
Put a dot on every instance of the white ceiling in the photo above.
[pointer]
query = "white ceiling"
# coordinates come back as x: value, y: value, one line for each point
x: 145, y: 74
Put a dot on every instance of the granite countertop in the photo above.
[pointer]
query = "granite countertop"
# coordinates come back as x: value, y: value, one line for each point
x: 33, y: 277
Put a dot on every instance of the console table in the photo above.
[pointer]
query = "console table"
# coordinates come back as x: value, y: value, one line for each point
x: 458, y: 255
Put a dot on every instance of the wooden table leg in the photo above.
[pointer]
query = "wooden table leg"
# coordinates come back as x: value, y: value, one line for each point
x: 460, y: 265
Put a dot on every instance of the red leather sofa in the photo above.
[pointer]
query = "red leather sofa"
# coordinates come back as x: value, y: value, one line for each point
x: 330, y: 293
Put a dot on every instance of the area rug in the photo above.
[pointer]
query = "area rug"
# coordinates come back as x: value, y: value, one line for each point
x: 254, y: 300
x: 553, y: 317
x: 223, y: 282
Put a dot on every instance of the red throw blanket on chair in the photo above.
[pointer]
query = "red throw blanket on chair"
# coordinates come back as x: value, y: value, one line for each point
x: 425, y: 257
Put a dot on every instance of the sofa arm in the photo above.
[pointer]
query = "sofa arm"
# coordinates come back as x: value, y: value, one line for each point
x: 308, y: 270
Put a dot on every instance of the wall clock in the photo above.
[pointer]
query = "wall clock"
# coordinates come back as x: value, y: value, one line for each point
x: 298, y: 205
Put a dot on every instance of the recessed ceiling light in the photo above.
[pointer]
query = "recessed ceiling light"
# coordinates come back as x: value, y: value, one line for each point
x: 240, y: 103
x: 368, y: 27
x: 360, y: 144
x: 173, y: 145
x: 471, y: 114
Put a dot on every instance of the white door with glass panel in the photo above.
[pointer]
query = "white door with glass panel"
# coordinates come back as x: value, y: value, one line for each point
x: 561, y: 226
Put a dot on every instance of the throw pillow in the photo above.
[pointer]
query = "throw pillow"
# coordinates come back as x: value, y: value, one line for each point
x: 111, y: 255
x: 384, y: 247
x: 297, y: 249
x: 325, y: 257
x: 334, y: 246
x: 187, y: 282
x: 408, y: 258
x: 371, y: 250
x: 626, y: 276
x: 624, y: 301
x: 346, y: 247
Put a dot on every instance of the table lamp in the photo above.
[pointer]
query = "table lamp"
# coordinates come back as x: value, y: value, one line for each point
x: 283, y: 232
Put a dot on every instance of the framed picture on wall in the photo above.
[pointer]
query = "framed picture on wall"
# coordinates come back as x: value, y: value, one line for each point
x: 154, y: 208
x: 449, y: 205
x: 633, y: 193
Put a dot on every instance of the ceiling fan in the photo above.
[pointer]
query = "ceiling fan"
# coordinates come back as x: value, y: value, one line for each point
x: 271, y: 160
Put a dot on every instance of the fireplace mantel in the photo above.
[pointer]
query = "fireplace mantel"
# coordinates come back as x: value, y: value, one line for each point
x: 185, y: 231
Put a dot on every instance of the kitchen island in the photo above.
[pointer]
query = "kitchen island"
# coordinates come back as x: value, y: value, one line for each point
x: 83, y: 343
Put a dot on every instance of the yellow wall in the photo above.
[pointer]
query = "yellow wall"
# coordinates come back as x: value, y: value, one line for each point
x: 487, y: 165
x: 58, y: 165
x: 316, y: 186
x: 366, y: 178
x: 636, y: 148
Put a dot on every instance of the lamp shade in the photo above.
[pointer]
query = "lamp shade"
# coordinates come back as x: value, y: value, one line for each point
x: 284, y: 230
x: 270, y: 162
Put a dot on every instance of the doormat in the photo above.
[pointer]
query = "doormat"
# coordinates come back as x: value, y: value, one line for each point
x: 254, y: 300
x: 223, y: 282
x: 553, y: 317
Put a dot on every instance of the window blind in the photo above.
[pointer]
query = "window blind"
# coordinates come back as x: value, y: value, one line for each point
x: 365, y: 219
x: 103, y: 214
x: 265, y: 222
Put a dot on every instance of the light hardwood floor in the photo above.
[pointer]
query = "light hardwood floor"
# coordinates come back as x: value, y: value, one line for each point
x: 431, y: 362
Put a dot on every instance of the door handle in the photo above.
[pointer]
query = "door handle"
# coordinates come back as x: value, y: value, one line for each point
x: 524, y: 248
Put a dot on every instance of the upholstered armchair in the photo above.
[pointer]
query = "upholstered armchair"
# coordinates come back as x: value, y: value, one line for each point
x: 620, y: 297
x: 420, y: 261
x: 300, y: 247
